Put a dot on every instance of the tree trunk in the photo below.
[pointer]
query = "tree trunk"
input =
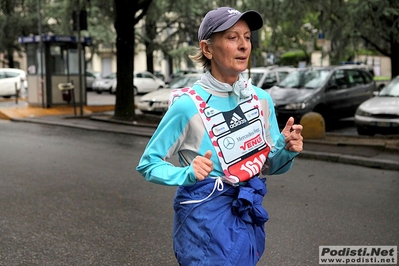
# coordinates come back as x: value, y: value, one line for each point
x: 170, y: 66
x: 150, y: 57
x: 150, y: 31
x: 10, y: 58
x: 124, y: 26
x: 394, y: 59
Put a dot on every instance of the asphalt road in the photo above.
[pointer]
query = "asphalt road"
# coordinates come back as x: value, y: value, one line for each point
x: 72, y: 197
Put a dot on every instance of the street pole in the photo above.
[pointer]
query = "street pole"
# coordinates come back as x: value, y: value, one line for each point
x: 79, y: 60
x: 39, y: 18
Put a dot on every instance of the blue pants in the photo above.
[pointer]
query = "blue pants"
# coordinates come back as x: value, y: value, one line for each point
x: 225, y: 229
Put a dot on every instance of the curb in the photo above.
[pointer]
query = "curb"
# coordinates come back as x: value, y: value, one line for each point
x: 137, y: 130
x: 350, y: 159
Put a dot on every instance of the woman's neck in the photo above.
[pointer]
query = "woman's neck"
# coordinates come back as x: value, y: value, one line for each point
x: 224, y: 78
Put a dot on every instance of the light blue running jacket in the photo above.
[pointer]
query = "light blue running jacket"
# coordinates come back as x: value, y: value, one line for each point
x: 215, y: 223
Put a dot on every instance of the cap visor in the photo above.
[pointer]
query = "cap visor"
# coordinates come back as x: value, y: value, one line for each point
x: 253, y: 19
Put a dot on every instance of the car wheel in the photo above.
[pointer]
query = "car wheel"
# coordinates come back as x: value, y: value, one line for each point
x: 135, y: 92
x: 99, y: 92
x: 110, y: 90
x: 365, y: 131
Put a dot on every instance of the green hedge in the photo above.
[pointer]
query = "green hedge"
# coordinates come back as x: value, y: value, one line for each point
x: 293, y: 58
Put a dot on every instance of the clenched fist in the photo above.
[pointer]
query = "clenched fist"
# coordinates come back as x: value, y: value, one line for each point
x: 202, y: 165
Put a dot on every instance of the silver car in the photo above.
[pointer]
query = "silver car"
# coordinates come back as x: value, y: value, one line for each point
x: 380, y: 114
x: 107, y: 83
x: 91, y: 76
x: 156, y: 102
x: 143, y: 82
x: 267, y: 77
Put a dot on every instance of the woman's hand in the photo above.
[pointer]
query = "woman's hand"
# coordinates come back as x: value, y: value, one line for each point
x: 293, y: 137
x: 203, y: 166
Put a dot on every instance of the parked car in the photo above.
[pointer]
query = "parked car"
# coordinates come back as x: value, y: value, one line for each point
x: 12, y: 80
x: 157, y: 101
x: 334, y: 92
x: 107, y: 83
x: 91, y: 76
x: 159, y: 75
x: 267, y: 77
x: 380, y: 114
x: 143, y: 82
x: 183, y: 72
x: 146, y: 82
x: 380, y: 81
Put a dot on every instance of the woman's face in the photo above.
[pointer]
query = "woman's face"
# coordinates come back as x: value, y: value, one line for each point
x: 229, y: 52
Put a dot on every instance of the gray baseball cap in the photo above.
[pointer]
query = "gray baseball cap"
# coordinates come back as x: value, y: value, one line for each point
x: 224, y: 18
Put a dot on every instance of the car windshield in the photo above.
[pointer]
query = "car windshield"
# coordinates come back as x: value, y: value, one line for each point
x: 255, y: 76
x: 391, y: 90
x: 12, y: 74
x: 110, y: 76
x: 183, y: 81
x: 97, y: 74
x: 93, y: 74
x: 309, y: 79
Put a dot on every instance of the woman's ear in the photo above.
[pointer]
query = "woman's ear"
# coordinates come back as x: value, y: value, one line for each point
x: 206, y: 49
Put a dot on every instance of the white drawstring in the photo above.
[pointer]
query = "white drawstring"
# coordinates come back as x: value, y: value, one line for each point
x: 218, y: 185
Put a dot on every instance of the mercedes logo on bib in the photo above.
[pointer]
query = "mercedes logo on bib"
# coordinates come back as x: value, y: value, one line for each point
x: 228, y: 143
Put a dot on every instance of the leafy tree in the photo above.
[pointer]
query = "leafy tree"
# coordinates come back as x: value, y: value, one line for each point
x: 57, y: 18
x: 333, y: 20
x: 17, y: 18
x: 171, y: 27
x: 377, y: 23
x: 100, y: 20
x: 350, y: 26
x: 290, y: 25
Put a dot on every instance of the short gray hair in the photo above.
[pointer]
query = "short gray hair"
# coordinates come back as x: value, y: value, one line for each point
x: 200, y: 58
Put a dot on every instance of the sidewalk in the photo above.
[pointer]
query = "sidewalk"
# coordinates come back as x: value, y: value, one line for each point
x: 376, y: 152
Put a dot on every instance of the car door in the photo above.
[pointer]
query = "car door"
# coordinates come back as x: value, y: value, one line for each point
x: 338, y: 94
x: 150, y: 82
x: 346, y: 89
x: 143, y: 82
x: 361, y: 86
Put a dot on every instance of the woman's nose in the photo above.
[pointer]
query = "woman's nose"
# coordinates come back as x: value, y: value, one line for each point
x: 244, y: 44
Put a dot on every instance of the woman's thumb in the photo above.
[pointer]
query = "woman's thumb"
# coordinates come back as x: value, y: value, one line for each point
x: 208, y: 154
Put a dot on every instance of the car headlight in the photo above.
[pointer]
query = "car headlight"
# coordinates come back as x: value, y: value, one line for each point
x: 361, y: 112
x: 295, y: 106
